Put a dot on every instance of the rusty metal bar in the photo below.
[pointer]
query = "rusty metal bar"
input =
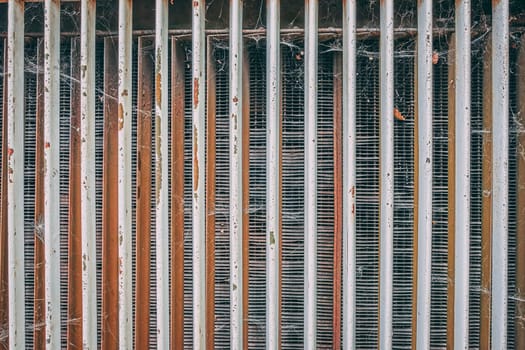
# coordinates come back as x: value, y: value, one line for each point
x: 236, y: 176
x: 349, y: 173
x: 177, y: 194
x: 87, y: 170
x: 273, y: 175
x: 211, y: 113
x: 462, y: 175
x: 338, y: 198
x: 198, y: 177
x: 486, y: 202
x: 520, y: 200
x: 39, y: 336
x: 500, y: 171
x: 52, y: 171
x: 451, y: 261
x: 4, y: 297
x: 110, y: 264
x: 386, y: 231
x: 143, y: 210
x: 423, y: 174
x: 310, y: 174
x: 161, y: 173
x: 124, y: 174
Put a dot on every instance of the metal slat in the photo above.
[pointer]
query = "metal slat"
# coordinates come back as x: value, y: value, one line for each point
x: 124, y: 174
x: 198, y: 177
x: 500, y: 171
x: 4, y: 297
x: 462, y: 175
x: 273, y: 177
x: 52, y: 171
x: 386, y: 230
x: 110, y: 252
x: 143, y: 193
x: 87, y: 173
x: 423, y: 175
x: 349, y: 173
x: 310, y: 175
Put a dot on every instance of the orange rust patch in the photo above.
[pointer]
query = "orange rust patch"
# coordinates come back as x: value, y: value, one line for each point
x: 435, y: 57
x: 47, y: 145
x: 353, y: 191
x: 195, y: 160
x: 235, y: 99
x: 10, y: 152
x: 195, y: 92
x: 195, y: 4
x: 120, y: 116
x: 158, y: 89
x: 398, y: 115
x: 124, y: 92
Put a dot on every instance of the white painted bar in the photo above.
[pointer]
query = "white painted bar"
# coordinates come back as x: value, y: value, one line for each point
x: 273, y: 175
x: 462, y: 137
x: 386, y: 231
x: 124, y: 174
x: 87, y: 170
x: 424, y: 173
x: 310, y: 175
x: 199, y: 173
x: 349, y: 173
x: 161, y: 173
x: 52, y: 171
x: 15, y: 173
x: 236, y: 174
x: 500, y: 171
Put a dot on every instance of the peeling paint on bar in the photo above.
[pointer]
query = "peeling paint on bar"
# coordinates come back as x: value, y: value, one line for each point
x: 52, y: 171
x: 462, y: 175
x: 423, y: 175
x: 386, y: 229
x: 198, y: 198
x: 500, y: 172
x: 273, y: 176
x: 124, y: 175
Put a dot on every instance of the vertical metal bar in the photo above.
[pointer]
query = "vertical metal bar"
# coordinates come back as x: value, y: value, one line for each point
x: 273, y: 175
x: 143, y: 211
x: 52, y: 170
x: 500, y: 170
x: 124, y: 174
x: 338, y: 198
x: 15, y: 173
x: 110, y: 254
x: 462, y: 175
x: 424, y: 173
x: 486, y: 202
x: 520, y: 200
x: 198, y: 178
x: 161, y: 172
x: 87, y: 169
x: 386, y: 230
x: 310, y: 174
x: 177, y: 195
x: 211, y: 119
x: 39, y: 336
x: 349, y: 172
x: 236, y: 175
x: 4, y: 268
x: 451, y: 191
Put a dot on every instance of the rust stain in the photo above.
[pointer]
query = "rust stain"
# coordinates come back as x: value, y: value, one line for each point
x: 235, y: 99
x: 195, y: 4
x: 195, y: 92
x: 398, y: 115
x: 120, y: 116
x: 158, y: 88
x: 48, y: 145
x: 124, y: 92
x: 495, y: 3
x: 10, y: 152
x: 353, y: 208
x: 195, y: 160
x: 435, y: 57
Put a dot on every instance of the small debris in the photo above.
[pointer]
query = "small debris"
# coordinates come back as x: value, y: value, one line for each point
x: 398, y: 115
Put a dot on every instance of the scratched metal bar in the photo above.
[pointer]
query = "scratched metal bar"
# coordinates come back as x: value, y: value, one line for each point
x: 386, y: 230
x: 161, y: 173
x: 143, y: 215
x: 310, y: 175
x: 4, y: 297
x: 349, y: 173
x: 520, y: 200
x: 198, y: 177
x: 52, y: 171
x: 124, y: 174
x: 500, y: 172
x: 110, y: 275
x: 423, y: 176
x: 39, y: 305
x: 87, y: 173
x: 273, y: 176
